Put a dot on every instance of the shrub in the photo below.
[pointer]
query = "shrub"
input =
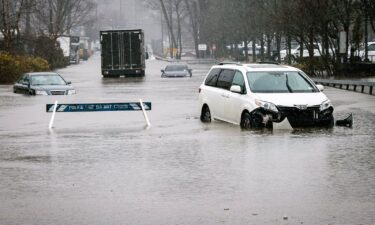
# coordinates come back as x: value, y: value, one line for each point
x: 37, y: 64
x: 316, y: 66
x: 12, y: 67
x: 10, y: 70
x: 48, y: 49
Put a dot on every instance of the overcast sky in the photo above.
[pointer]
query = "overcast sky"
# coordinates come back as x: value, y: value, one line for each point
x: 129, y: 14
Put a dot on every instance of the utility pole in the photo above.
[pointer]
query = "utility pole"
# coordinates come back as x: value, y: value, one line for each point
x: 120, y: 19
x: 162, y: 32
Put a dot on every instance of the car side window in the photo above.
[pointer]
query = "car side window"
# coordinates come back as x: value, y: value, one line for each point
x: 27, y: 79
x: 212, y: 77
x: 22, y: 78
x: 371, y: 47
x: 239, y: 80
x: 225, y: 79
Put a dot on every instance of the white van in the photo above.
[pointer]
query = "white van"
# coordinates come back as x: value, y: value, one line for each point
x: 258, y: 95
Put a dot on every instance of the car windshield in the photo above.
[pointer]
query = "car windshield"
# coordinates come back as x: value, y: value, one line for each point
x: 51, y: 79
x: 176, y: 68
x: 279, y: 82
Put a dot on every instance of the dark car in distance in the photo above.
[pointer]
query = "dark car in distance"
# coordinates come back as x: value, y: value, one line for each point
x: 43, y: 83
x: 176, y: 70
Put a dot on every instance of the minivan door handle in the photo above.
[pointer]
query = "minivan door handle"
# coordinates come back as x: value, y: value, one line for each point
x: 225, y: 95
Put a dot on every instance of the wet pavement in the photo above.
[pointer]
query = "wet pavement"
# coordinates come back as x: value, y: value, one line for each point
x: 107, y: 168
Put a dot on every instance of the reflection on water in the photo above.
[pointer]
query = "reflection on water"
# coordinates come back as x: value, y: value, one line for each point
x: 122, y: 80
x: 31, y: 158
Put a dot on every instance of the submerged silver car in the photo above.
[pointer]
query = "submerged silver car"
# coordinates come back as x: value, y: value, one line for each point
x: 43, y: 83
x: 176, y: 70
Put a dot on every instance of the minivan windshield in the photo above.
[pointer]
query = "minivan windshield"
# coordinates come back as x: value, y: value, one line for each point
x: 279, y: 82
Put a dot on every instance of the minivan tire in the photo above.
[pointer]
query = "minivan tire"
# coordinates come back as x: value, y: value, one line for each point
x: 205, y: 114
x: 246, y: 121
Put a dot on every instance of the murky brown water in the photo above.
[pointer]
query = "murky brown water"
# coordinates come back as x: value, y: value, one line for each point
x: 106, y: 168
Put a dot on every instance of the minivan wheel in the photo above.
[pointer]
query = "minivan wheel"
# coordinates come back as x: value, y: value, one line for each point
x: 246, y: 121
x: 251, y: 121
x: 205, y: 114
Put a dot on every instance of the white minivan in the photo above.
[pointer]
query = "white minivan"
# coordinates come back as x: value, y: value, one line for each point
x: 258, y: 95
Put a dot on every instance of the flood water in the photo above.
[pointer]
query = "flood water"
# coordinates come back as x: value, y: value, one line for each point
x: 108, y: 168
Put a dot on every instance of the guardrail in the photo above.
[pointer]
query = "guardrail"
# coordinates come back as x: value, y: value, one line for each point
x: 349, y: 85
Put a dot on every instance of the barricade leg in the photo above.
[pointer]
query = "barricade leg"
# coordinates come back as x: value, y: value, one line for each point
x: 53, y: 116
x: 144, y: 113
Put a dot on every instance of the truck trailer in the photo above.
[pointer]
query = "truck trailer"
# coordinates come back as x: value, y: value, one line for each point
x: 64, y: 42
x: 122, y: 53
x: 74, y: 50
x: 70, y: 47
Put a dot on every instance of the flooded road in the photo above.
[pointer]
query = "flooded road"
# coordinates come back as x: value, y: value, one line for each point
x: 106, y: 168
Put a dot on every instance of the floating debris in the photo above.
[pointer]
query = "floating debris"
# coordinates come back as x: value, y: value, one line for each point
x: 347, y: 122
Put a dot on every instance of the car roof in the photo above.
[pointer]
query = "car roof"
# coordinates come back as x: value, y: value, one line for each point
x: 256, y: 67
x: 42, y: 73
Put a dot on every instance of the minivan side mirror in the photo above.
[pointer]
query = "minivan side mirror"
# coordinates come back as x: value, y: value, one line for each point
x: 320, y: 87
x: 236, y: 89
x: 162, y: 71
x: 68, y: 82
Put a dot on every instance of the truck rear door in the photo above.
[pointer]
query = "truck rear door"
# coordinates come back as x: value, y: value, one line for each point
x: 106, y: 49
x: 116, y: 51
x: 121, y: 50
x: 136, y: 49
x: 125, y: 46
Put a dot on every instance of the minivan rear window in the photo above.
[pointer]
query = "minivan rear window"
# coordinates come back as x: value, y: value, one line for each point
x: 212, y: 77
x: 225, y: 79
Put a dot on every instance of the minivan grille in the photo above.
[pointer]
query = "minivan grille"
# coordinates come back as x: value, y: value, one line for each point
x: 300, y: 117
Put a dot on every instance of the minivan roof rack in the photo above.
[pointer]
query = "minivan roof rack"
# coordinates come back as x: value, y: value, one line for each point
x: 269, y: 62
x: 229, y: 63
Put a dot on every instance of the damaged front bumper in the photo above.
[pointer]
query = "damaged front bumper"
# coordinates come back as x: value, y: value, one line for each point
x: 297, y: 117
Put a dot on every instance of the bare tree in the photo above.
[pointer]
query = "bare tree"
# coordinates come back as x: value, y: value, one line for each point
x: 168, y: 20
x: 345, y: 11
x: 10, y: 15
x: 57, y: 17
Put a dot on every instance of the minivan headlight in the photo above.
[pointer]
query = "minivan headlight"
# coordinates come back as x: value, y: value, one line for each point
x: 39, y: 92
x: 71, y: 92
x: 267, y: 105
x: 325, y: 105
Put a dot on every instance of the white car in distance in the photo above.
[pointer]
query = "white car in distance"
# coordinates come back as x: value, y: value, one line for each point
x: 370, y: 52
x: 295, y: 52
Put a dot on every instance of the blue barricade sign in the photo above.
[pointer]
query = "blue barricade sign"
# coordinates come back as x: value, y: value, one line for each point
x: 97, y: 107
